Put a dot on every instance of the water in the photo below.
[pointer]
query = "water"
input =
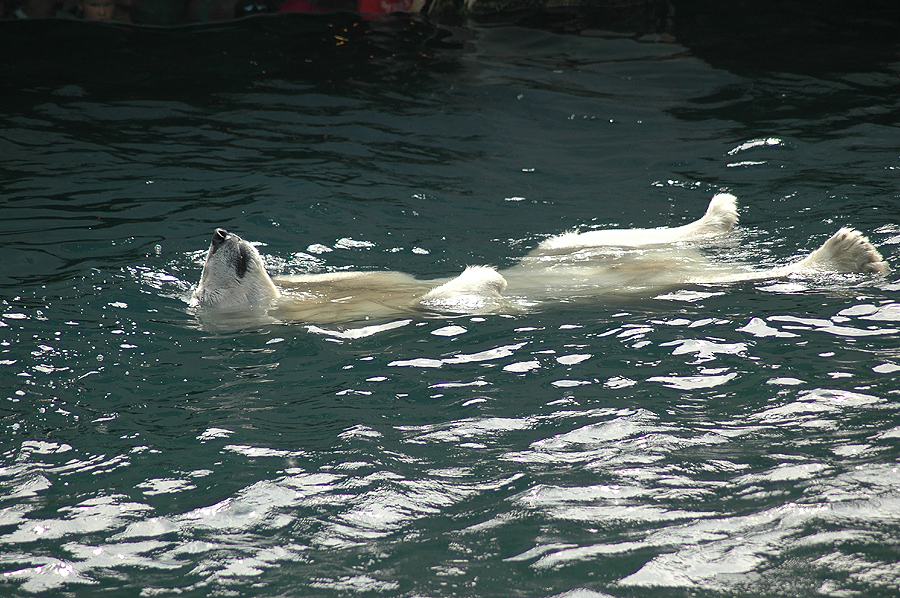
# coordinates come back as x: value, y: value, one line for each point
x: 736, y: 441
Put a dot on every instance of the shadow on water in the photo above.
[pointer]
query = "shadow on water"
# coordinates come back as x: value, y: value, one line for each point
x: 336, y: 51
x: 809, y: 64
x: 790, y: 36
x: 345, y: 50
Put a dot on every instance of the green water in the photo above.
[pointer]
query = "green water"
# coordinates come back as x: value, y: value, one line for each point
x: 738, y: 441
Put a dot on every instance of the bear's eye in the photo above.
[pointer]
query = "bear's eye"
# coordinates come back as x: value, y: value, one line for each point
x: 242, y: 262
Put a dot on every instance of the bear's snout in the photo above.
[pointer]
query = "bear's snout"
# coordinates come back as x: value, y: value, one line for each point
x: 219, y: 236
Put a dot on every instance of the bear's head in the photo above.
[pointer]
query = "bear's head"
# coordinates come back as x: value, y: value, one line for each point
x: 234, y: 276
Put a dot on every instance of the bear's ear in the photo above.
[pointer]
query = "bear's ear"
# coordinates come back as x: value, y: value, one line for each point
x: 242, y: 263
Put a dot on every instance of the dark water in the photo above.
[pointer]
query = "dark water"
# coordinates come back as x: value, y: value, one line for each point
x: 703, y: 442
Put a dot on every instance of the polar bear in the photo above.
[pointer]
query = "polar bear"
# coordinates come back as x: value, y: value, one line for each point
x: 569, y: 265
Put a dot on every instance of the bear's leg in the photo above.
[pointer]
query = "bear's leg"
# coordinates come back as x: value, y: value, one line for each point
x: 720, y: 217
x: 480, y: 281
x: 846, y: 251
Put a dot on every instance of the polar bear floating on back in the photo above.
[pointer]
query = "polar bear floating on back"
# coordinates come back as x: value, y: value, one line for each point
x: 596, y: 263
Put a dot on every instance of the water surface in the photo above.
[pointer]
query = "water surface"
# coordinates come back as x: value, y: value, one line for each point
x: 735, y: 441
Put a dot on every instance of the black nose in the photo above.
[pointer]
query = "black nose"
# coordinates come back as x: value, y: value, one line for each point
x: 219, y: 236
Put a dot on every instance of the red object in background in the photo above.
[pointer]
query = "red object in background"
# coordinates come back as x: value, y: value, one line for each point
x: 380, y: 7
x: 369, y: 7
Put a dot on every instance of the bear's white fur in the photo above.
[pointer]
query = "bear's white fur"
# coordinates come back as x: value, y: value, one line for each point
x: 234, y: 276
x: 594, y: 263
x: 720, y: 217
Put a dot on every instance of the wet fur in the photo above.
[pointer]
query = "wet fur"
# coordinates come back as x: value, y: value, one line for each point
x: 594, y: 263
